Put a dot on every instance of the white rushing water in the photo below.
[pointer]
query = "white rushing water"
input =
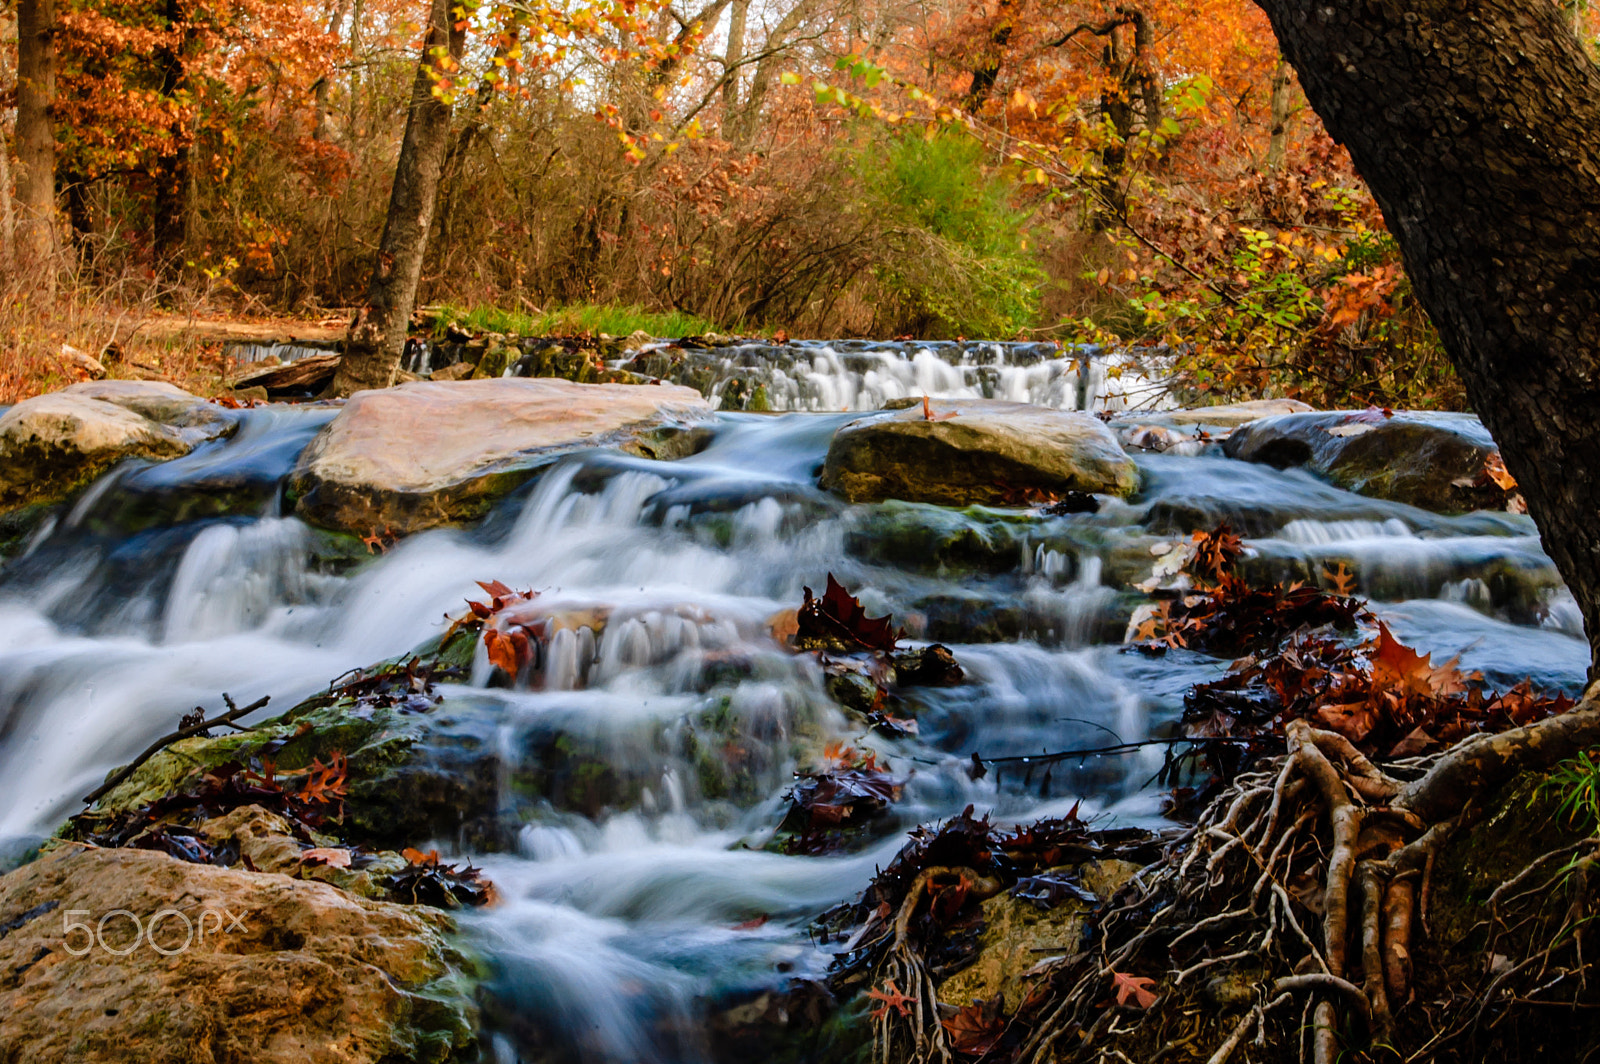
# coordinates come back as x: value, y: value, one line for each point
x: 622, y: 925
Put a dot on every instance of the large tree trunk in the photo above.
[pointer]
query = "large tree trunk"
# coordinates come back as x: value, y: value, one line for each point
x: 1477, y: 125
x: 36, y: 141
x: 378, y: 331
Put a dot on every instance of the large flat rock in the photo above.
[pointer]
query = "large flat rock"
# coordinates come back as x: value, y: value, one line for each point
x: 1188, y: 431
x: 308, y: 973
x: 54, y: 444
x: 975, y: 451
x: 442, y: 452
x: 1436, y: 461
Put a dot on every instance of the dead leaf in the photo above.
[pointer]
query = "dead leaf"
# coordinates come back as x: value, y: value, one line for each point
x: 1136, y: 987
x: 890, y: 998
x: 977, y: 1028
x: 329, y: 856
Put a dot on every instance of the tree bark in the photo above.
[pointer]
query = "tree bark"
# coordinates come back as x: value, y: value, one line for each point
x: 36, y: 141
x: 1476, y: 123
x: 378, y: 330
x: 774, y: 50
x: 730, y: 63
x: 1278, y: 146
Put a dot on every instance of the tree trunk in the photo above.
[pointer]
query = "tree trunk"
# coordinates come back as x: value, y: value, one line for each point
x: 774, y: 54
x: 36, y: 141
x: 1278, y: 146
x: 378, y: 331
x: 730, y: 64
x: 1476, y: 123
x: 324, y: 128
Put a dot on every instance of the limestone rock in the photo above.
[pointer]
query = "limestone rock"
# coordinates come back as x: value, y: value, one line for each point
x: 1018, y: 934
x: 308, y: 974
x: 1232, y: 415
x: 1432, y: 460
x: 434, y: 452
x: 986, y: 452
x: 1174, y: 431
x: 52, y: 445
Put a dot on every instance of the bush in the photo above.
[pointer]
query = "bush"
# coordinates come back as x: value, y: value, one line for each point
x: 958, y: 257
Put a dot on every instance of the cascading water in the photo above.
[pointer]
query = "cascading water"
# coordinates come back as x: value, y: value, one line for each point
x: 637, y: 897
x: 846, y: 375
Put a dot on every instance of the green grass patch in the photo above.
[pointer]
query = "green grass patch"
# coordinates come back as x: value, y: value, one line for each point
x: 576, y: 320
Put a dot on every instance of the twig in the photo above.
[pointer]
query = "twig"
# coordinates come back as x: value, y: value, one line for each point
x: 234, y: 713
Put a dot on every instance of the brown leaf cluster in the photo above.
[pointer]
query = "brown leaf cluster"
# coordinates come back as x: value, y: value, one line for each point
x: 1294, y: 663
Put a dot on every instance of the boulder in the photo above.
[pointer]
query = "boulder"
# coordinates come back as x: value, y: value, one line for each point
x: 242, y: 966
x: 1436, y: 461
x: 442, y: 452
x: 1018, y: 934
x: 54, y: 444
x: 1178, y: 431
x: 976, y: 451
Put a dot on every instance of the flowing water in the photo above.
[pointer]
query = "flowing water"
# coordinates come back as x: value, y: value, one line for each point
x: 847, y: 375
x: 626, y: 924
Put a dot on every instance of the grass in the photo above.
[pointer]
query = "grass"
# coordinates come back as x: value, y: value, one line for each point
x: 35, y: 325
x: 579, y: 319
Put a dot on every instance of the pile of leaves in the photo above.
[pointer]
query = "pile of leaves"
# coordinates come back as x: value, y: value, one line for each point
x: 307, y: 799
x: 406, y: 686
x: 427, y: 881
x: 1380, y: 694
x: 1300, y: 654
x: 826, y: 804
x: 962, y: 862
x: 1219, y: 613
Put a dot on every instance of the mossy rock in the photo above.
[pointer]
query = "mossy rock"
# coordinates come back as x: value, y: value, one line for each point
x: 1017, y: 934
x: 1430, y: 460
x: 410, y: 774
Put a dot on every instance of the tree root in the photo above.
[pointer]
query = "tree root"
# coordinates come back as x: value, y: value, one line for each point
x: 1315, y: 872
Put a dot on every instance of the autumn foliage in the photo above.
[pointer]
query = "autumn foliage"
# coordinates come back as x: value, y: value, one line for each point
x: 1304, y: 653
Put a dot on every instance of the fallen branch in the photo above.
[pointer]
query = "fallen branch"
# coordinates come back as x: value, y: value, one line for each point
x: 234, y: 713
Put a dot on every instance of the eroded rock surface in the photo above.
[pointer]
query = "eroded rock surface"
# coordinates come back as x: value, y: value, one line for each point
x: 1180, y: 431
x: 309, y: 973
x: 975, y: 451
x: 54, y: 444
x: 436, y: 453
x: 1432, y: 460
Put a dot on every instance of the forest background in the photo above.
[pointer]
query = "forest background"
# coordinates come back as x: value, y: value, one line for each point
x: 1070, y: 170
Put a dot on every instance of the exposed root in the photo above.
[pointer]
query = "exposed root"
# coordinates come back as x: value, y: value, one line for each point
x: 1308, y: 878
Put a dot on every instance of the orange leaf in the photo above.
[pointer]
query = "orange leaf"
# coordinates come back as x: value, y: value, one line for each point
x: 891, y: 998
x: 331, y: 856
x: 1134, y: 986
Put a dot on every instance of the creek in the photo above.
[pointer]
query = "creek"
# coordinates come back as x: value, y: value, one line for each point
x: 625, y: 925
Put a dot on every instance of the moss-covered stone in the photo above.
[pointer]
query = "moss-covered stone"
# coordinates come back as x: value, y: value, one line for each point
x: 1433, y: 461
x: 975, y: 451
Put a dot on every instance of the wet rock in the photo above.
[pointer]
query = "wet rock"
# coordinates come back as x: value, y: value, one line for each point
x: 931, y: 666
x: 582, y: 366
x: 1431, y: 460
x: 307, y: 973
x: 976, y: 451
x: 437, y: 453
x: 1018, y: 934
x: 52, y: 445
x: 1191, y: 431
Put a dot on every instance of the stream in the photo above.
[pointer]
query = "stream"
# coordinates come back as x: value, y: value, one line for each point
x: 623, y: 929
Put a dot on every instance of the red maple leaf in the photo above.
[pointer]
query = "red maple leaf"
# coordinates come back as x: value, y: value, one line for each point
x: 977, y: 1028
x: 891, y: 998
x: 838, y: 615
x: 1134, y: 986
